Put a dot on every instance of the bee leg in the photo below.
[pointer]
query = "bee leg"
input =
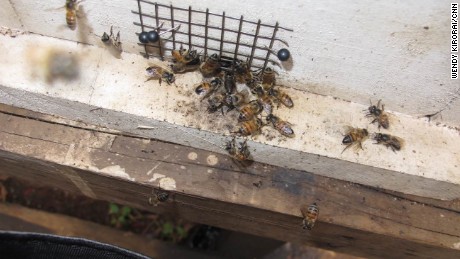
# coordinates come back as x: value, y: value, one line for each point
x: 345, y: 148
x: 360, y: 145
x: 392, y: 148
x: 159, y: 80
x: 372, y: 122
x: 153, y: 203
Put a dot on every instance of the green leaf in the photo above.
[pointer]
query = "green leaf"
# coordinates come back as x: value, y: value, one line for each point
x: 113, y: 208
x: 181, y: 232
x: 122, y: 219
x: 168, y: 228
x: 125, y: 211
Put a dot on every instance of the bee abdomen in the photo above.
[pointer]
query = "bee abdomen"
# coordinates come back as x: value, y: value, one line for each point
x: 71, y: 19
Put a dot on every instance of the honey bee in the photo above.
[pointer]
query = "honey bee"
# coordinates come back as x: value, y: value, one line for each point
x: 242, y: 72
x: 236, y: 99
x: 211, y: 66
x: 185, y: 60
x: 216, y: 102
x: 240, y: 153
x: 354, y: 136
x: 264, y: 99
x: 250, y: 127
x: 248, y: 111
x: 229, y: 83
x: 388, y: 140
x: 111, y: 39
x: 162, y: 73
x: 71, y: 7
x: 281, y: 97
x: 281, y: 126
x: 267, y: 78
x: 310, y: 215
x: 207, y: 88
x: 379, y: 115
x: 253, y: 84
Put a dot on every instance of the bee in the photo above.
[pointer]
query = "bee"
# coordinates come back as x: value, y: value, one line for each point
x: 264, y: 99
x: 388, y: 140
x: 267, y: 78
x: 250, y: 127
x: 216, y: 102
x: 242, y: 72
x: 160, y: 72
x: 253, y: 84
x: 310, y: 215
x: 111, y: 39
x: 248, y: 111
x: 211, y: 66
x: 281, y: 126
x: 281, y: 97
x: 207, y: 88
x: 185, y: 60
x: 159, y: 196
x: 379, y: 115
x: 236, y: 99
x: 229, y: 83
x: 71, y: 7
x: 51, y: 64
x: 240, y: 153
x: 354, y: 136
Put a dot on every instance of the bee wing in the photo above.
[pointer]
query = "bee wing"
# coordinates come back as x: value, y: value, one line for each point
x: 400, y: 140
x: 245, y: 94
x: 347, y: 129
x: 303, y: 211
x: 160, y: 64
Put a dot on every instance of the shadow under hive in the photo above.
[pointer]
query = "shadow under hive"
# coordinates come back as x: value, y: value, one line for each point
x: 209, y: 33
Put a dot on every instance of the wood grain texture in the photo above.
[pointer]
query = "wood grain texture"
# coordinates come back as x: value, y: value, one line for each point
x: 210, y: 188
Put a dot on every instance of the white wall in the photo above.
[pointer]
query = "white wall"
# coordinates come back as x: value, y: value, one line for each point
x: 397, y: 51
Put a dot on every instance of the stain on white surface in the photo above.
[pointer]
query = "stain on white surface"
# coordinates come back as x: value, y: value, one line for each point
x: 117, y: 171
x: 168, y: 183
x: 192, y: 156
x: 212, y: 160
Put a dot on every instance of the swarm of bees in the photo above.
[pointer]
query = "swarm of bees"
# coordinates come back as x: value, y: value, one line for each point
x: 222, y: 79
x: 356, y: 136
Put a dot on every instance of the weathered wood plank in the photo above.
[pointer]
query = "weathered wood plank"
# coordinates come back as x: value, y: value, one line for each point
x: 209, y: 188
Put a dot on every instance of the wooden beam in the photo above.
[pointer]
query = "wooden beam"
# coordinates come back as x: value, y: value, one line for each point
x: 210, y: 188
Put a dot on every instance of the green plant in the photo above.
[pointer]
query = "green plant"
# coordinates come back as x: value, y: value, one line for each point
x: 120, y: 216
x: 173, y: 232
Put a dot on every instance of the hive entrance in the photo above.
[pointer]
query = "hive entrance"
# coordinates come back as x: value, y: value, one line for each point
x: 208, y: 33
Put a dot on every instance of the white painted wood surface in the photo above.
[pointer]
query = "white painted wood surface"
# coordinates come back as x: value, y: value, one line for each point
x: 397, y: 51
x: 427, y: 166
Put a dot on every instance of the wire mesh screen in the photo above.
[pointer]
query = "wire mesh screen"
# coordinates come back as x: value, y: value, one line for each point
x: 210, y: 33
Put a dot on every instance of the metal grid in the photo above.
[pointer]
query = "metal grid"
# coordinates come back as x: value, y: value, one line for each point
x: 208, y: 32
